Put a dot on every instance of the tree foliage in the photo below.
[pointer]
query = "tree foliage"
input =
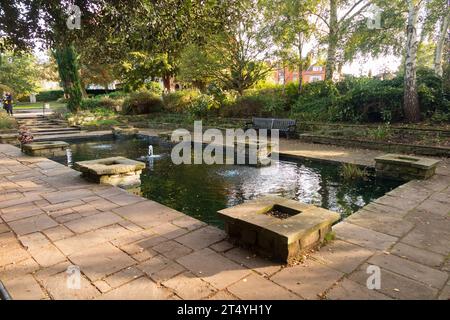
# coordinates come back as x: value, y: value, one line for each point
x: 20, y: 72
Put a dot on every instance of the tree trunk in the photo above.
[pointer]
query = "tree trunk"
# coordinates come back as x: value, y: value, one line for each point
x: 440, y: 46
x: 332, y: 41
x: 300, y: 65
x: 411, y: 99
x: 167, y: 83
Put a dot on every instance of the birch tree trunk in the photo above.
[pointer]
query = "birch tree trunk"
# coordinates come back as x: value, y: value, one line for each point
x: 440, y: 45
x: 332, y: 41
x: 411, y: 106
x: 300, y: 64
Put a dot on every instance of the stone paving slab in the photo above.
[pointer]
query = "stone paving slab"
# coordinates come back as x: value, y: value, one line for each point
x: 213, y: 268
x: 130, y: 247
x: 255, y: 287
x: 397, y: 286
x: 309, y: 280
x: 350, y: 290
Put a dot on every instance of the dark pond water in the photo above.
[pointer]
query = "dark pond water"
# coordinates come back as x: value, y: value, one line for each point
x: 202, y: 190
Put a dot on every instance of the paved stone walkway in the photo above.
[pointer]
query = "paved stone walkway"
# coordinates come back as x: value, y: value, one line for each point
x: 128, y: 247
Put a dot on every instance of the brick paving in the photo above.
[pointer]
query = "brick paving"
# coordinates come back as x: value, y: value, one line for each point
x: 128, y: 247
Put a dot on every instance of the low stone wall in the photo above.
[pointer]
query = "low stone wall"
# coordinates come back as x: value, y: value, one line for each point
x: 386, y: 146
x: 124, y: 131
x: 405, y: 168
x: 10, y: 138
x: 45, y: 148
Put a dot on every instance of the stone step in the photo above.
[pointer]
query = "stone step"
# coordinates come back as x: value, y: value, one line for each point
x: 48, y: 133
x: 41, y: 123
x: 55, y: 130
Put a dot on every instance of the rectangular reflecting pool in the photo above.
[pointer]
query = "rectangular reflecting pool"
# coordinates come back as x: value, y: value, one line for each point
x: 201, y: 190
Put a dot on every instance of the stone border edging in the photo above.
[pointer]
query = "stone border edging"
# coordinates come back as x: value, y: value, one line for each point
x: 385, y: 146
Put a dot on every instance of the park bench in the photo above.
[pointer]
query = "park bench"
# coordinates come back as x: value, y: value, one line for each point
x: 285, y: 126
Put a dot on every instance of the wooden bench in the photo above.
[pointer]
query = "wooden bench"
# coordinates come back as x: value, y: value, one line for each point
x: 286, y: 126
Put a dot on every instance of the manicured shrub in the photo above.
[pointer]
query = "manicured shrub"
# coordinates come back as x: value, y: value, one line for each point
x: 142, y: 102
x: 51, y: 95
x: 179, y: 101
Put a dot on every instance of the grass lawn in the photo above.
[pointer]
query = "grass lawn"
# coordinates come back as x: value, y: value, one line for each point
x: 55, y: 106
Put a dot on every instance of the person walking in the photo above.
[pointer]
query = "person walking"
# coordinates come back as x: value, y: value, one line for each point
x: 8, y: 102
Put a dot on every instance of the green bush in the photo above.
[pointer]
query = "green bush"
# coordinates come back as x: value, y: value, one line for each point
x: 316, y: 101
x: 369, y: 100
x: 154, y: 87
x: 254, y: 102
x: 142, y: 102
x: 116, y: 95
x: 179, y: 101
x: 202, y: 105
x: 431, y: 92
x: 101, y: 102
x: 6, y: 122
x: 51, y: 95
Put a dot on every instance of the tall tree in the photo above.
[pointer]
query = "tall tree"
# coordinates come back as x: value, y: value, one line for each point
x: 411, y: 105
x: 239, y: 54
x: 19, y: 72
x: 443, y: 36
x: 291, y: 28
x: 339, y: 18
x: 69, y: 74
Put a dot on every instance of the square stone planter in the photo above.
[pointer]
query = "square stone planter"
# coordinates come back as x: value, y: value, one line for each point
x: 278, y: 228
x: 404, y: 167
x: 45, y: 148
x: 9, y: 138
x: 124, y: 131
x: 116, y: 171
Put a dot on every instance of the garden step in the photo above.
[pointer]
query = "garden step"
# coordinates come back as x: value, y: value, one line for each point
x: 47, y: 133
x: 65, y: 129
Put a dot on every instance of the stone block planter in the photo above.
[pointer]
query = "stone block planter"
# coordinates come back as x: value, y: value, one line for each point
x: 124, y: 131
x: 45, y: 148
x: 9, y: 138
x: 404, y: 167
x: 278, y: 228
x: 116, y: 171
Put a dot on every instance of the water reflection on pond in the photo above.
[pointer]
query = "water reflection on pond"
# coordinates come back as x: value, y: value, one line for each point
x: 201, y: 190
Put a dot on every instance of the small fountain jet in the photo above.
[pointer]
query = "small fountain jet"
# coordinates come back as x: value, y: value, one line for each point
x: 69, y: 157
x: 150, y: 157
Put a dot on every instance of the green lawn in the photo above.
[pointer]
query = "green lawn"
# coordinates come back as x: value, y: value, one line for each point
x: 55, y: 106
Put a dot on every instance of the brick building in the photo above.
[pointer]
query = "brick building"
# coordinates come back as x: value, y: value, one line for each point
x: 313, y: 73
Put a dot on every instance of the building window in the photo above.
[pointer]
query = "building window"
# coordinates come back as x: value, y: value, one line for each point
x: 317, y: 68
x: 281, y: 77
x: 315, y: 78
